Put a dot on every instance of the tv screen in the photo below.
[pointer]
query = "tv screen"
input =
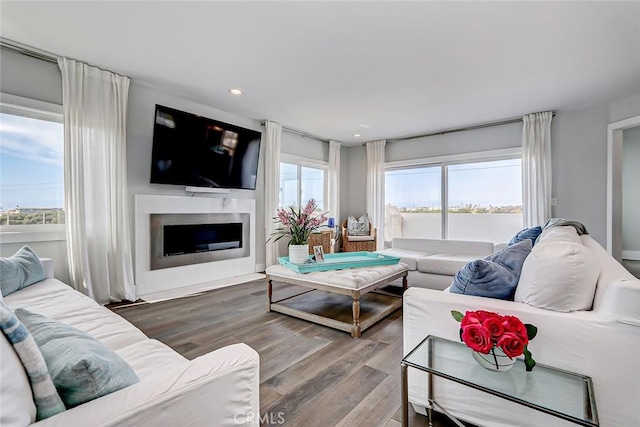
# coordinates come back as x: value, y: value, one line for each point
x: 196, y: 151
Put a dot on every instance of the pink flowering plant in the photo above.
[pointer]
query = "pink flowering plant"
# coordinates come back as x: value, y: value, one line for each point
x: 483, y: 331
x: 298, y: 223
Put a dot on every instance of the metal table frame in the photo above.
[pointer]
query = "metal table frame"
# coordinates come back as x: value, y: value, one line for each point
x: 589, y: 404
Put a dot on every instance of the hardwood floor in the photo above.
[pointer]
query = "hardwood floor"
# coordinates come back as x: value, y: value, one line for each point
x: 310, y: 375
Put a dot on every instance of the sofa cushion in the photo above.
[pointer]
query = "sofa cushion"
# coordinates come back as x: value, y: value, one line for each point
x: 446, y: 264
x: 149, y: 357
x: 16, y: 400
x: 40, y: 387
x: 366, y: 238
x: 408, y: 257
x: 560, y: 276
x: 58, y: 301
x: 526, y: 233
x: 81, y: 367
x: 20, y: 270
x: 494, y: 277
x: 358, y: 227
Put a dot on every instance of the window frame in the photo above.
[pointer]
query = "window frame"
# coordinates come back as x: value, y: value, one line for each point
x: 301, y: 162
x: 35, y: 109
x: 444, y: 162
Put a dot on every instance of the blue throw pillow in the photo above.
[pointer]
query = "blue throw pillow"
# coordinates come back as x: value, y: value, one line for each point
x: 496, y: 276
x: 526, y: 233
x: 20, y: 270
x: 81, y: 367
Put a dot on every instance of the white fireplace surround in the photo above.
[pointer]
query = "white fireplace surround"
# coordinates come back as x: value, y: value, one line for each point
x: 153, y: 281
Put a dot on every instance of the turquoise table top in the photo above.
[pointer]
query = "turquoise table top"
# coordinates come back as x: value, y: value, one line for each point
x: 341, y: 261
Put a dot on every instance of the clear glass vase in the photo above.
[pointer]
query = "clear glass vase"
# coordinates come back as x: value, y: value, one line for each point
x: 495, y: 361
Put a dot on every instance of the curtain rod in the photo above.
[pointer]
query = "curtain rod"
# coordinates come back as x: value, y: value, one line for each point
x: 36, y: 53
x: 303, y: 134
x: 28, y: 50
x: 460, y: 129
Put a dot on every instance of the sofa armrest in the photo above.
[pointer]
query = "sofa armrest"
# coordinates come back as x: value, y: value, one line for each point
x: 219, y: 388
x: 621, y: 302
x: 586, y: 342
x: 47, y: 265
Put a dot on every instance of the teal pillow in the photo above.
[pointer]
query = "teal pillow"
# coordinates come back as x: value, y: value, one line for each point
x: 20, y: 270
x: 81, y: 367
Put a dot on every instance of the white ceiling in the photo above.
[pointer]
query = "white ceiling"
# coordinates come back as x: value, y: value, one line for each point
x: 400, y: 68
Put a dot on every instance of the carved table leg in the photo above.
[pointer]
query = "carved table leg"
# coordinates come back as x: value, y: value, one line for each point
x: 269, y: 294
x: 355, y: 332
x: 405, y: 284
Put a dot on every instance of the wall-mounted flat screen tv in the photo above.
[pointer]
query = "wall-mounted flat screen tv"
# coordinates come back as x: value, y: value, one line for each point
x: 195, y: 151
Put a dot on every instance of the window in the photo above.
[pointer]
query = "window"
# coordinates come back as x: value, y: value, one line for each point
x: 302, y: 180
x: 484, y: 200
x: 458, y: 199
x: 31, y: 163
x: 413, y: 203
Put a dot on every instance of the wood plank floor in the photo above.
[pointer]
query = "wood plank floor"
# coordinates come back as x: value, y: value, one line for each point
x: 310, y: 374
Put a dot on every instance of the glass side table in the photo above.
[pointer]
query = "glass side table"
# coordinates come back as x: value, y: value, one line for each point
x: 556, y: 392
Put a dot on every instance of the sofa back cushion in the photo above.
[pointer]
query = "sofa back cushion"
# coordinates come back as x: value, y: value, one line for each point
x: 610, y: 269
x: 559, y: 275
x: 496, y: 276
x: 20, y: 270
x: 438, y: 246
x: 16, y: 399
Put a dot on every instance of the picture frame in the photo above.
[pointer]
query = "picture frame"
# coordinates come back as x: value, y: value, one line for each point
x: 318, y: 252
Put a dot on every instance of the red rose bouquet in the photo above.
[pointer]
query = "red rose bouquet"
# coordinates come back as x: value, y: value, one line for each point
x: 483, y: 331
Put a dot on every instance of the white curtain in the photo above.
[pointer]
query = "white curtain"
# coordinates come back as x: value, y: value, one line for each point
x: 95, y: 180
x: 272, y: 186
x: 536, y: 168
x: 334, y: 180
x: 375, y: 188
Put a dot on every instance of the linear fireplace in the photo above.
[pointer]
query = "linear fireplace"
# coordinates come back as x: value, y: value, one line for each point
x: 184, y: 239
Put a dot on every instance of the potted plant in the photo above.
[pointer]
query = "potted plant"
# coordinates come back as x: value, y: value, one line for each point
x: 298, y: 224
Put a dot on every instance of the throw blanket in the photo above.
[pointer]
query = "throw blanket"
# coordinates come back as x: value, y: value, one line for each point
x: 561, y: 222
x: 45, y: 395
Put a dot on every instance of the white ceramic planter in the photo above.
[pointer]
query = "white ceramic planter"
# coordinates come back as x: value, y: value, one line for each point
x: 298, y: 254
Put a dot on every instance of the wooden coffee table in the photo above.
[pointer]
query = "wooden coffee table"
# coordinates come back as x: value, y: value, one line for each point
x: 331, y: 292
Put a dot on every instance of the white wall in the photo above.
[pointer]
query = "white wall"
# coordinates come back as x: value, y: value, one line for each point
x: 353, y: 187
x: 579, y: 164
x: 140, y: 120
x: 300, y: 146
x: 491, y: 138
x: 28, y: 77
x: 631, y: 190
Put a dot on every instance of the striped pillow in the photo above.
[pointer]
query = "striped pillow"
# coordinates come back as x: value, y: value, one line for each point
x: 45, y: 396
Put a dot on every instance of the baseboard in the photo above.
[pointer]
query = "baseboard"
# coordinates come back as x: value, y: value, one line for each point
x: 631, y: 255
x: 199, y: 288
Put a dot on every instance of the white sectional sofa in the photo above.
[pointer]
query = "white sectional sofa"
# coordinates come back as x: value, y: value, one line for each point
x: 219, y: 388
x: 433, y: 262
x: 603, y: 343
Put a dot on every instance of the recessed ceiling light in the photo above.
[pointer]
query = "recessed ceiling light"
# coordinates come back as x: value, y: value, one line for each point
x: 235, y: 92
x: 364, y: 126
x: 356, y: 135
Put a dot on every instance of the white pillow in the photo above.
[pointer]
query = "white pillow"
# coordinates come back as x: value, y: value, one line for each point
x: 560, y: 276
x: 16, y: 399
x: 559, y: 234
